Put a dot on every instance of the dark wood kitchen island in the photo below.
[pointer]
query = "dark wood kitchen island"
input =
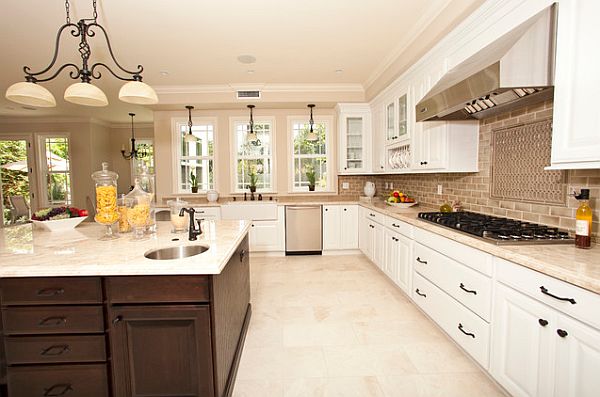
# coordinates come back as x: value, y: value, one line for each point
x: 83, y: 317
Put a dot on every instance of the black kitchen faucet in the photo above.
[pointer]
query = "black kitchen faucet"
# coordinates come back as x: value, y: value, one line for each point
x: 193, y: 233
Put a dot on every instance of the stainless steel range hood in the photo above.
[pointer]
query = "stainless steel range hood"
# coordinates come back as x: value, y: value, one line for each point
x: 514, y: 71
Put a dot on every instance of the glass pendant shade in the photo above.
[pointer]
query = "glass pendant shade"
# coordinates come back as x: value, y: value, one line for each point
x: 251, y: 137
x: 138, y: 93
x: 85, y: 94
x: 27, y: 93
x: 312, y: 136
x: 190, y: 138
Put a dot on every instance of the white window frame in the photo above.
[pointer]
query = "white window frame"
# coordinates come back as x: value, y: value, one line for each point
x: 233, y: 123
x: 328, y: 122
x: 41, y: 165
x: 176, y: 124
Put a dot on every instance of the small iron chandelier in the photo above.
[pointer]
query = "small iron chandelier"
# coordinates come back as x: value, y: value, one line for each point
x: 84, y: 93
x: 190, y: 137
x: 312, y: 135
x: 251, y: 136
x: 135, y: 152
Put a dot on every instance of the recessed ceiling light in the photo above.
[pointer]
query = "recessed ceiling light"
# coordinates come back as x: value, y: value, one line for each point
x: 164, y: 72
x: 250, y: 71
x: 339, y: 71
x: 28, y: 108
x: 247, y: 59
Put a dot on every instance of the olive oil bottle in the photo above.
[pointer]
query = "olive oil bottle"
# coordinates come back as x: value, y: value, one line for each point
x: 583, y: 220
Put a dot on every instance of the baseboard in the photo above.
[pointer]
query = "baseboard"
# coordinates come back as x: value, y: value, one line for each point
x: 342, y: 252
x: 261, y: 254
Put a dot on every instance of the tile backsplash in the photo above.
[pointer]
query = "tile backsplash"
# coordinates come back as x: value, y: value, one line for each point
x: 473, y: 189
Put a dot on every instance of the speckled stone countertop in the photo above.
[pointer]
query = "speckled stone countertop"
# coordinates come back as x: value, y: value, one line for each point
x: 562, y: 261
x: 28, y: 252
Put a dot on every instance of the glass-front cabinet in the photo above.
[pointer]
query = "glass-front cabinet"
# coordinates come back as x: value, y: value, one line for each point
x: 402, y: 132
x: 390, y: 123
x: 354, y: 126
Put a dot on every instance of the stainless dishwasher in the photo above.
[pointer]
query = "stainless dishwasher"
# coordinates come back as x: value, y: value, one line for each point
x: 303, y: 231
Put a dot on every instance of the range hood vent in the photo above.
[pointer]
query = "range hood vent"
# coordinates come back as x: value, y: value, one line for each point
x: 245, y: 94
x: 514, y: 71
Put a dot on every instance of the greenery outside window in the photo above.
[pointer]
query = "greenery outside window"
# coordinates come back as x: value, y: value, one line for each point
x: 310, y: 156
x: 137, y: 165
x: 195, y: 158
x: 55, y: 170
x: 253, y: 157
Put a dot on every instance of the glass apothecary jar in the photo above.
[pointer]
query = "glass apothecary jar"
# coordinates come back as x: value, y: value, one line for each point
x: 138, y: 203
x: 106, y: 200
x: 147, y: 183
x: 179, y: 223
x: 124, y: 226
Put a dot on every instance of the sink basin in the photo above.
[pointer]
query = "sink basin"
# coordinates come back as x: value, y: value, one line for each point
x: 179, y: 252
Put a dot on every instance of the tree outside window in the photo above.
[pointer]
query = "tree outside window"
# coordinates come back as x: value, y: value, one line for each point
x: 253, y: 157
x: 196, y: 158
x: 309, y: 156
x: 56, y: 170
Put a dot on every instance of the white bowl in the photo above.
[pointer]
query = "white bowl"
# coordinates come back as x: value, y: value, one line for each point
x: 401, y: 205
x: 59, y: 225
x: 212, y: 196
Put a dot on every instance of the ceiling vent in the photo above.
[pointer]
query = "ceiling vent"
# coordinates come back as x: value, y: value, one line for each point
x: 246, y: 94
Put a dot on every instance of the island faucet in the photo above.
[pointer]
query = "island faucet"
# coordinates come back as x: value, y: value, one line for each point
x: 193, y: 233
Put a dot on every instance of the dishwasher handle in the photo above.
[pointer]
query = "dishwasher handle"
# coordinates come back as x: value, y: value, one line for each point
x: 304, y: 207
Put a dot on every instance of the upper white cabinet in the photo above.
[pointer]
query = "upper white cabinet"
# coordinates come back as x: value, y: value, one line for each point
x: 576, y: 129
x: 355, y: 138
x: 378, y: 139
x: 390, y: 121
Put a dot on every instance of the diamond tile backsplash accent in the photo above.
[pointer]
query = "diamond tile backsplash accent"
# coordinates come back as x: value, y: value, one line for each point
x: 474, y: 189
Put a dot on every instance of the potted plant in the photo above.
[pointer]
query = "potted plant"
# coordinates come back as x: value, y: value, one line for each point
x: 253, y: 179
x: 311, y: 176
x: 194, y: 182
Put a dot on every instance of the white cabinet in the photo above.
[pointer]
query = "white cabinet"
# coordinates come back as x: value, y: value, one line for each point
x: 364, y: 242
x: 355, y: 138
x: 268, y: 235
x: 378, y: 151
x: 576, y: 123
x: 378, y: 245
x: 397, y: 259
x: 340, y: 227
x: 537, y: 348
x: 522, y: 333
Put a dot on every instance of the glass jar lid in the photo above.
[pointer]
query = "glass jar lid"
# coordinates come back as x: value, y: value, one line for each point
x: 104, y: 174
x: 178, y: 203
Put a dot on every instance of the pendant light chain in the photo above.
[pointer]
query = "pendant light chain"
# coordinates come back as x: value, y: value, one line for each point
x: 67, y: 8
x: 95, y: 12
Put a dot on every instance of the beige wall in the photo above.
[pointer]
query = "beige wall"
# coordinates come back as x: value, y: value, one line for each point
x: 164, y: 153
x: 89, y: 146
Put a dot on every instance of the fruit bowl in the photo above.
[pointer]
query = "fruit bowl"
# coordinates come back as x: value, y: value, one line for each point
x: 59, y: 225
x: 401, y: 205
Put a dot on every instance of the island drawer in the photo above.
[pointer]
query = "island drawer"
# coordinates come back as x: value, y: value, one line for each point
x: 50, y: 291
x: 55, y: 349
x: 157, y: 289
x: 52, y: 320
x: 58, y: 380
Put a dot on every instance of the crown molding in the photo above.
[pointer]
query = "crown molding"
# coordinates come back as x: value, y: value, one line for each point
x: 50, y: 120
x: 264, y: 87
x: 128, y: 125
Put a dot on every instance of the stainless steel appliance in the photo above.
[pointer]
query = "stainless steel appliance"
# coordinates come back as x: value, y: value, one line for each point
x: 497, y: 230
x: 303, y: 230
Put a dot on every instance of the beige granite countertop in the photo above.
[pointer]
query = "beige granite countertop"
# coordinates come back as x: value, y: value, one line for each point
x: 25, y: 252
x: 562, y: 261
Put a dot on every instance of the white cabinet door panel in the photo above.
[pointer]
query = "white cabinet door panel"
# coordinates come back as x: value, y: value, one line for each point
x: 331, y: 227
x: 349, y: 227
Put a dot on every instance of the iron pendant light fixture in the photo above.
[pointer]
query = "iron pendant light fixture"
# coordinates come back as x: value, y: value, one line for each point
x: 135, y: 152
x: 312, y: 135
x: 189, y: 137
x: 31, y: 93
x: 251, y: 135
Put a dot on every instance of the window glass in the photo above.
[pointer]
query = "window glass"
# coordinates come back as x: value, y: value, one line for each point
x: 254, y: 158
x: 196, y: 159
x: 310, y: 156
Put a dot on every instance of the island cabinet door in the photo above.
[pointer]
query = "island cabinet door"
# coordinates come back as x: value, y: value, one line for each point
x: 161, y: 351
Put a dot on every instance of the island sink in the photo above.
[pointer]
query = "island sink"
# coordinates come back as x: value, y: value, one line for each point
x: 179, y: 252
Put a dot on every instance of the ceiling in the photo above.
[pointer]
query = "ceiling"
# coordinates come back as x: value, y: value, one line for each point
x: 193, y: 44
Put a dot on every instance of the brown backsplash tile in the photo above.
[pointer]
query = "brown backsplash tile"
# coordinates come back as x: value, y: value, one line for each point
x: 473, y: 189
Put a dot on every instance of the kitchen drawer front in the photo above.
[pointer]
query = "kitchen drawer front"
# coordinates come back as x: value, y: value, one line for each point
x: 55, y: 349
x: 399, y: 226
x: 375, y: 216
x: 58, y: 380
x: 52, y: 320
x: 157, y: 289
x: 468, y: 256
x: 530, y: 282
x: 467, y: 329
x: 50, y: 291
x: 469, y: 287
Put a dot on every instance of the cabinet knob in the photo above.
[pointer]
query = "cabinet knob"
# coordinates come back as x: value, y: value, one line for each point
x: 345, y: 209
x: 242, y: 254
x: 543, y: 322
x: 562, y: 333
x: 345, y: 168
x: 117, y: 320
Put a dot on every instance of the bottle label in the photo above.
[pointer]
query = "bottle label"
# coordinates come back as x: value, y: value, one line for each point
x: 582, y: 228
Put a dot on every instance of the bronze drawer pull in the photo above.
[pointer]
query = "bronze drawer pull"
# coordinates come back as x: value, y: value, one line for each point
x: 55, y: 350
x: 461, y: 329
x: 52, y: 321
x: 469, y: 291
x: 53, y: 392
x: 421, y: 261
x: 544, y: 291
x: 420, y: 293
x: 50, y: 291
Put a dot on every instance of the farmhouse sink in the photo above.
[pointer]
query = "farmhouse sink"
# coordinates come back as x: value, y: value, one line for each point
x: 250, y: 210
x: 179, y: 252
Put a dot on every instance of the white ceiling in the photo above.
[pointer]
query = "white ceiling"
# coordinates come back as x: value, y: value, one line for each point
x: 198, y: 42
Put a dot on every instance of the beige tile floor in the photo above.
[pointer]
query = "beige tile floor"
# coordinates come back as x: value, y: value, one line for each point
x: 336, y: 326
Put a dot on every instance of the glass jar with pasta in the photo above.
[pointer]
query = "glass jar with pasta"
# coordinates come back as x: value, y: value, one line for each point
x: 139, y: 216
x: 106, y: 200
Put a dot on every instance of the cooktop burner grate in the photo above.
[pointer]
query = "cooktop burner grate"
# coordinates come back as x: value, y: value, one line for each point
x: 498, y: 230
